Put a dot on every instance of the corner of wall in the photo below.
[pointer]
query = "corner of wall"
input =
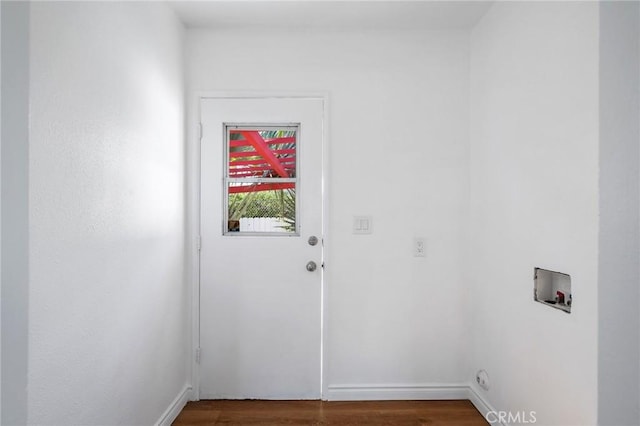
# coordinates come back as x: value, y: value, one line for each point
x: 619, y: 236
x: 14, y: 214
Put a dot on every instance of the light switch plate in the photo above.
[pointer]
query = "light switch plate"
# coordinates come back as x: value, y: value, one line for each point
x: 362, y: 225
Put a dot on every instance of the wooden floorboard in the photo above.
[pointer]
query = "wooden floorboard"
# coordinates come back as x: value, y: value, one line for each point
x: 401, y: 413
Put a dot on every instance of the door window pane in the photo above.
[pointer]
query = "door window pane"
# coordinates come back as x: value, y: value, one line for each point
x: 262, y: 153
x: 261, y: 180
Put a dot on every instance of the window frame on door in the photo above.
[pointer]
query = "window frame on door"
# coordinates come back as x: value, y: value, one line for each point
x: 227, y: 180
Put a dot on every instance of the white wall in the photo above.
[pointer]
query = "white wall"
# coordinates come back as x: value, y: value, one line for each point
x: 14, y: 265
x: 108, y: 306
x: 534, y: 202
x: 398, y: 138
x: 0, y: 215
x: 619, y: 275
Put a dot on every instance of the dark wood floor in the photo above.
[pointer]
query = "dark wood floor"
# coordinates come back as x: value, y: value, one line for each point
x: 401, y: 413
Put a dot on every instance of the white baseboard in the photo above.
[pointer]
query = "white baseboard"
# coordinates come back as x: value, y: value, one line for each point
x: 482, y: 405
x: 176, y: 406
x: 396, y: 392
x: 411, y: 392
x: 369, y: 393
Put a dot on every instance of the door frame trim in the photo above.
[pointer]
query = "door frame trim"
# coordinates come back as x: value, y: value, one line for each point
x: 193, y: 180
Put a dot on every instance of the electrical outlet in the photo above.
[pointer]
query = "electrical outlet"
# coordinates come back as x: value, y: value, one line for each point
x: 482, y: 378
x: 419, y: 249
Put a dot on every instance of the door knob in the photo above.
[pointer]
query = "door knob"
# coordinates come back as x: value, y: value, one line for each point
x: 311, y: 266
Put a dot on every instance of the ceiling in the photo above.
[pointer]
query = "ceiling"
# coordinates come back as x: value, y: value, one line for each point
x: 330, y: 14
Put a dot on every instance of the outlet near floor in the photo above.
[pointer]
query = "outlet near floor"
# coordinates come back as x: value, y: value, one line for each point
x: 482, y: 378
x: 419, y: 249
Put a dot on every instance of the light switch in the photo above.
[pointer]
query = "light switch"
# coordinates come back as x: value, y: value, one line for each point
x: 362, y: 225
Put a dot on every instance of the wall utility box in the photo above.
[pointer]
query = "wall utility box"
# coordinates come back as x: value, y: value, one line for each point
x: 552, y: 289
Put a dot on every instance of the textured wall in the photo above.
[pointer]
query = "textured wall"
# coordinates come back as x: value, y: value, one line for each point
x: 618, y: 274
x: 15, y: 228
x: 534, y: 203
x: 108, y: 304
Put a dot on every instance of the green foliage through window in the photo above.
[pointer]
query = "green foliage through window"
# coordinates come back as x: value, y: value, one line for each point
x: 275, y: 203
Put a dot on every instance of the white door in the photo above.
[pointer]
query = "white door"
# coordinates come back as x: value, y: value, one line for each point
x: 261, y: 201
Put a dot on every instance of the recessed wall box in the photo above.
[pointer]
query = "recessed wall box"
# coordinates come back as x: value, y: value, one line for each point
x: 552, y: 289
